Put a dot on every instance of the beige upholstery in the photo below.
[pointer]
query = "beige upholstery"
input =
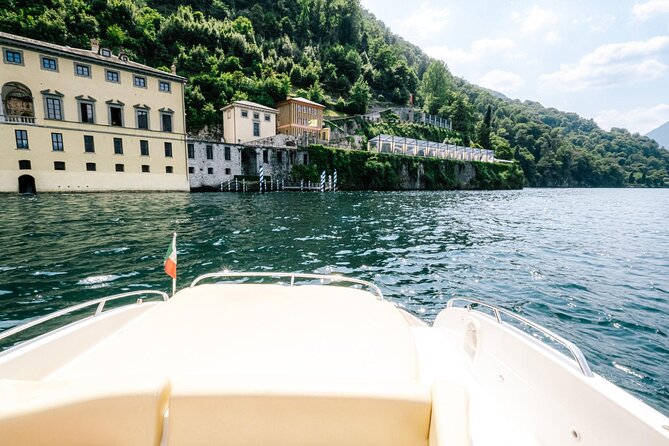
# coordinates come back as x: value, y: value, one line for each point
x: 277, y: 411
x: 87, y: 413
x: 450, y: 415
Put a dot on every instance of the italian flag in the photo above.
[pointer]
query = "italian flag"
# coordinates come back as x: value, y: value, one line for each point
x: 171, y: 258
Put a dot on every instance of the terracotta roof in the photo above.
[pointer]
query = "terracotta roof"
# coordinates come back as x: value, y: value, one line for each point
x: 78, y: 53
x: 302, y: 100
x: 250, y: 105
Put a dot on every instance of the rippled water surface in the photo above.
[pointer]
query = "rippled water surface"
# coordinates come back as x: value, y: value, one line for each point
x: 592, y: 265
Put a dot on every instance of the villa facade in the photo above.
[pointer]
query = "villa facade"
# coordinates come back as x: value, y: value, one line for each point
x: 88, y: 120
x: 245, y: 121
x: 302, y: 119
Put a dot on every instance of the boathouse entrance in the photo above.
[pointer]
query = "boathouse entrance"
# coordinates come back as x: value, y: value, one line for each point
x: 27, y: 185
x: 249, y: 162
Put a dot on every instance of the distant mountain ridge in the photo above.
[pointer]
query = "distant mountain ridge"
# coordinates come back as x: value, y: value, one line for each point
x: 661, y: 135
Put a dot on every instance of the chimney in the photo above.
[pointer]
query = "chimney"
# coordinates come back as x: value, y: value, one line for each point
x: 95, y: 46
x: 174, y: 69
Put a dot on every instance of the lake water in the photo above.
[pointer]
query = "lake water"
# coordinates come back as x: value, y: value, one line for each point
x: 592, y: 265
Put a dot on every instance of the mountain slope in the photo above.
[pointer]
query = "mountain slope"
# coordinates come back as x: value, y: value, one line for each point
x: 335, y: 52
x: 661, y: 135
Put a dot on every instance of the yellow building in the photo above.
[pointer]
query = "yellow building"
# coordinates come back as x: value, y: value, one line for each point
x: 87, y: 120
x: 303, y: 119
x: 245, y: 121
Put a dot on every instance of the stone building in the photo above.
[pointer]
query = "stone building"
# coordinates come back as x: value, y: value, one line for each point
x: 87, y: 120
x: 211, y: 164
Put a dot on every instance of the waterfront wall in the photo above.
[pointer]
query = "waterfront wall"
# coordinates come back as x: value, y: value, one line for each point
x: 362, y: 170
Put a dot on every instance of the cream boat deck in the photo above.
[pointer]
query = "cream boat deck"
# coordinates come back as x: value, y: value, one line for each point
x: 258, y: 330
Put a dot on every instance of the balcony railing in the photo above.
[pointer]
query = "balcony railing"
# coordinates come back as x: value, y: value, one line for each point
x: 17, y: 119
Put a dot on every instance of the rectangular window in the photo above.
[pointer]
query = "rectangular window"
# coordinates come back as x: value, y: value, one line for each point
x: 279, y: 157
x: 142, y: 119
x: 89, y: 144
x: 24, y: 164
x: 119, y: 167
x: 139, y: 81
x: 256, y: 115
x: 210, y: 170
x: 145, y: 168
x: 166, y: 121
x: 210, y: 152
x: 191, y: 170
x: 90, y: 167
x: 144, y: 147
x: 267, y: 117
x: 265, y: 156
x: 59, y: 165
x: 21, y: 139
x: 86, y: 110
x: 49, y: 63
x: 305, y: 159
x: 118, y: 146
x: 164, y: 86
x: 82, y: 70
x: 115, y: 116
x: 14, y: 57
x: 256, y: 129
x: 57, y: 142
x: 54, y: 108
x: 169, y: 169
x: 245, y: 114
x: 112, y: 76
x: 168, y: 149
x: 226, y: 153
x: 227, y: 171
x: 191, y: 151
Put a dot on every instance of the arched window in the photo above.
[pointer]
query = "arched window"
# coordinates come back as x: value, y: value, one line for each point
x: 17, y: 103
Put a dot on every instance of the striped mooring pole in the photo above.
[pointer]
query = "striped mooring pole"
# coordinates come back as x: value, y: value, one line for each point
x: 262, y: 179
x: 334, y: 181
x: 330, y: 183
x: 302, y: 185
x: 323, y: 181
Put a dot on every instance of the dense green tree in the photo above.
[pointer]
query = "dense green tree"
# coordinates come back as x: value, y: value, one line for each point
x: 434, y: 88
x: 359, y: 97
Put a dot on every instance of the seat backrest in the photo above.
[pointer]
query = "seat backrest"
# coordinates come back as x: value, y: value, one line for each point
x: 247, y: 411
x: 117, y: 413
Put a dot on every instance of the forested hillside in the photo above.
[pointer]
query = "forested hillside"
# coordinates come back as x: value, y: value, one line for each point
x: 333, y: 51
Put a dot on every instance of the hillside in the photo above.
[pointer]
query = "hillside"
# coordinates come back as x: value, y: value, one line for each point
x: 333, y: 51
x: 661, y: 135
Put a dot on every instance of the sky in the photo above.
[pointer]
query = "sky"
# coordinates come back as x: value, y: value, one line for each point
x: 605, y: 60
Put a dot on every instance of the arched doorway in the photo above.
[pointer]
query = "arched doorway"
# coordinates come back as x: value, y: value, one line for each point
x: 27, y: 185
x: 249, y: 162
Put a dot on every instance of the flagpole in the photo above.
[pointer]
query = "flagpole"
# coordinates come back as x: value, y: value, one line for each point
x: 174, y: 279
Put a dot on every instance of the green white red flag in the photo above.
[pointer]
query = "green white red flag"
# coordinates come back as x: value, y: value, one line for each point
x: 171, y: 258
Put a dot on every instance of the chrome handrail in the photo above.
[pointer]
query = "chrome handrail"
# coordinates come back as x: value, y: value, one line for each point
x: 100, y: 306
x: 292, y: 276
x: 576, y: 352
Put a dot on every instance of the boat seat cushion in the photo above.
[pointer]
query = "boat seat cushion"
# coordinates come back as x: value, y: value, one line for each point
x: 84, y: 412
x: 450, y: 415
x: 254, y: 411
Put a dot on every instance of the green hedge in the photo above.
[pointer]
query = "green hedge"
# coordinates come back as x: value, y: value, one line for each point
x: 361, y: 170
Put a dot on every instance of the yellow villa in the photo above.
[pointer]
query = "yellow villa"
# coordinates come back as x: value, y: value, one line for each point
x: 88, y: 120
x: 303, y: 119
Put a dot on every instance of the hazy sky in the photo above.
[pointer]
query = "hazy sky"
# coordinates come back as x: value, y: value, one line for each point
x: 606, y: 60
